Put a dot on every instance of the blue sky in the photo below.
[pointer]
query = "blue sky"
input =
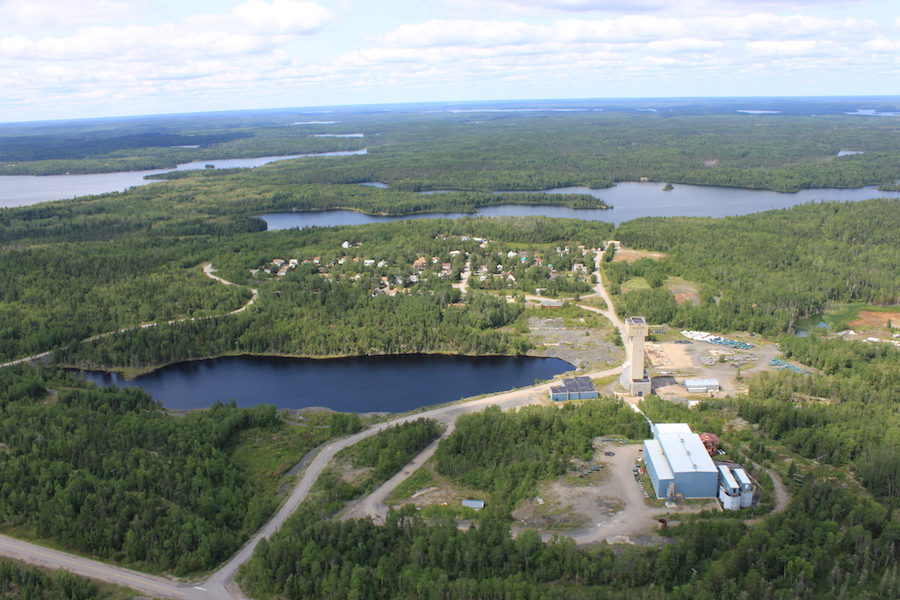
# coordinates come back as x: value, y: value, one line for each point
x: 61, y: 59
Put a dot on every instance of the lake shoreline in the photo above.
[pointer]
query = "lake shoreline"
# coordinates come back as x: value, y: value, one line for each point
x: 382, y: 383
x: 130, y: 374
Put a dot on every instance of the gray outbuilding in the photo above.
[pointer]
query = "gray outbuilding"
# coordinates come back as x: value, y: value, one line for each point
x: 575, y: 388
x: 701, y: 386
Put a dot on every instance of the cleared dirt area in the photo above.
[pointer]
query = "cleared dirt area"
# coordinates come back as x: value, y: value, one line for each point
x: 584, y: 347
x: 672, y: 361
x: 870, y: 318
x: 684, y: 292
x: 628, y: 255
x: 607, y: 504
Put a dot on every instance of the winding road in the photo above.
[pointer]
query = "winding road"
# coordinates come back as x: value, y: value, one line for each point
x: 220, y: 585
x: 207, y: 270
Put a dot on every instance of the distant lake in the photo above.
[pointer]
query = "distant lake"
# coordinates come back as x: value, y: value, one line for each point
x: 358, y: 384
x: 630, y: 200
x: 24, y: 190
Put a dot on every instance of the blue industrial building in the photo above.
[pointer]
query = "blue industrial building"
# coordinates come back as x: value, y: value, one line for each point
x: 678, y: 463
x: 576, y: 388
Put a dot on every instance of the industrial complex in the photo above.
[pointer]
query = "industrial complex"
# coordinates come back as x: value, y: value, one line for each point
x: 679, y: 463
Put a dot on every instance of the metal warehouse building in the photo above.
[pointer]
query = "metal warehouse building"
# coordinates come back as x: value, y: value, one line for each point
x: 678, y: 463
x: 699, y: 386
x: 576, y: 388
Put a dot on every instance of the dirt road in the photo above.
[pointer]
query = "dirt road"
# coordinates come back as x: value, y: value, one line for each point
x: 221, y: 584
x: 207, y: 270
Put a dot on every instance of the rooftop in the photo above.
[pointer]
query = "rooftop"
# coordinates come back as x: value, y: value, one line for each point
x: 575, y: 384
x: 659, y: 428
x: 657, y: 456
x: 700, y: 382
x: 686, y: 453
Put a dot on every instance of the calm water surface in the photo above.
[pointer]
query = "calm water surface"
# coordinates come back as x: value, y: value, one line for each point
x: 359, y: 384
x: 24, y: 190
x: 630, y: 200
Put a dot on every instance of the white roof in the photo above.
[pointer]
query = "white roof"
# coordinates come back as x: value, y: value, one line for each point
x: 662, y: 428
x: 743, y: 479
x: 686, y: 453
x: 728, y: 478
x: 700, y: 382
x: 657, y: 456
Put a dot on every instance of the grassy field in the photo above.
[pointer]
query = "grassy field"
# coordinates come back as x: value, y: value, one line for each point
x: 635, y: 283
x: 266, y: 455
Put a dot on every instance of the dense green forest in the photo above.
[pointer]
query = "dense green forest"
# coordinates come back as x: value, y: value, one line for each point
x: 108, y: 473
x: 23, y: 582
x: 332, y: 303
x: 827, y: 544
x: 506, y: 454
x: 765, y: 271
x: 832, y: 541
x: 802, y: 260
x: 413, y: 149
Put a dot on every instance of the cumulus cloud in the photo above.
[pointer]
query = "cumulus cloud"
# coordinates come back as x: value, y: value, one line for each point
x: 252, y: 27
x: 18, y: 15
x: 633, y: 6
x: 783, y: 48
x: 615, y: 48
x: 257, y: 50
x: 257, y: 17
x: 626, y: 29
x: 883, y: 45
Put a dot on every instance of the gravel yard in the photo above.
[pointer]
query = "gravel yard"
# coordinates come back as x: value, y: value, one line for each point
x: 587, y: 348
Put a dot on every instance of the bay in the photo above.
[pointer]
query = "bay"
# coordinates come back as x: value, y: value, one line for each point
x: 25, y: 190
x: 630, y: 200
x: 357, y: 384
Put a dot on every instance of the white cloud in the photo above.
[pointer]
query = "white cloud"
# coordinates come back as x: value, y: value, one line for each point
x: 460, y: 33
x: 23, y: 15
x: 280, y: 53
x: 783, y: 48
x: 613, y: 7
x: 627, y: 29
x: 883, y: 45
x: 280, y: 17
x: 684, y: 45
x: 252, y: 27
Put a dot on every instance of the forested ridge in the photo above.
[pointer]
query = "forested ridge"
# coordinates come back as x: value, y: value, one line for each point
x: 417, y: 150
x: 765, y: 271
x: 107, y: 473
x: 60, y: 294
x: 57, y: 294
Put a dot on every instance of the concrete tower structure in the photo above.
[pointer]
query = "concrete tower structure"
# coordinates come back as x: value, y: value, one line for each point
x: 634, y: 377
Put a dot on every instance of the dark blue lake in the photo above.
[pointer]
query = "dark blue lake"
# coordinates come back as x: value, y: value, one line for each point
x: 358, y: 384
